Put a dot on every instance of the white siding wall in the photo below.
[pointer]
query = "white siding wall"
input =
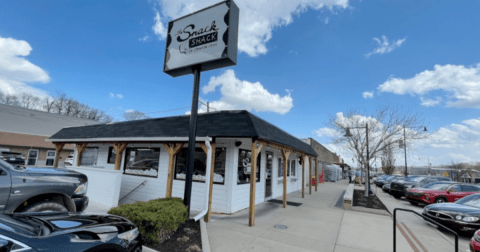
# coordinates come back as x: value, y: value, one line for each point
x: 227, y: 198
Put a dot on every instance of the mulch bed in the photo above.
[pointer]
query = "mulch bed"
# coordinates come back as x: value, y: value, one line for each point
x: 186, y: 238
x: 371, y: 201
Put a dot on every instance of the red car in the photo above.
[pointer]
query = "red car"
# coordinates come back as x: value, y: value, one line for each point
x: 440, y: 193
x: 475, y: 242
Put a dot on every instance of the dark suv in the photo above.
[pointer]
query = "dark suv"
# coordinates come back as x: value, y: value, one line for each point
x: 14, y: 158
x: 41, y: 189
x: 399, y: 188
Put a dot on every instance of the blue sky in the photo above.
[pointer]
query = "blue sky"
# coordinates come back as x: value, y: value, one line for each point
x: 299, y: 65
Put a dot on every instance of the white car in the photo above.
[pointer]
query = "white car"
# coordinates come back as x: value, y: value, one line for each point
x: 69, y: 160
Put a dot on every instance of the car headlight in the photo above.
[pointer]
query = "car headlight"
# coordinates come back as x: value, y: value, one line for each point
x: 12, y: 245
x: 81, y: 189
x: 459, y: 217
x: 470, y: 219
x: 129, y: 235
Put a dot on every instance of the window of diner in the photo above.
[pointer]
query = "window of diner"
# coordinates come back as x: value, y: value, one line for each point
x: 292, y: 167
x: 200, y: 165
x: 89, y: 156
x: 142, y: 161
x: 112, y: 154
x: 280, y: 167
x: 245, y: 166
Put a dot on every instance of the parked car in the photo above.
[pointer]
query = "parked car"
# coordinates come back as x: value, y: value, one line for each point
x: 430, y: 184
x: 463, y: 215
x: 67, y: 232
x: 14, y: 158
x: 41, y: 189
x: 391, y: 179
x: 379, y: 178
x: 399, y: 188
x: 68, y: 160
x: 386, y: 188
x: 441, y: 193
x: 381, y: 182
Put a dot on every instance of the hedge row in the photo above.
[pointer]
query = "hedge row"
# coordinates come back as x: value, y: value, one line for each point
x: 156, y: 219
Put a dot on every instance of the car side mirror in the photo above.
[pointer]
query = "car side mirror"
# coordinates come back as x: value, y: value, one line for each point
x: 5, y: 245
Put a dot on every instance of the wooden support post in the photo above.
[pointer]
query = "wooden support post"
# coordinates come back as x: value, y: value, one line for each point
x: 172, y: 150
x: 58, y: 150
x: 119, y: 148
x: 310, y: 175
x: 303, y: 175
x: 80, y: 148
x: 253, y: 180
x: 316, y: 175
x: 212, y: 175
x: 285, y: 154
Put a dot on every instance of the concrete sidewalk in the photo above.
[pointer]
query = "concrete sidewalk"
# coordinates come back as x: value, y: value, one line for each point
x: 316, y: 225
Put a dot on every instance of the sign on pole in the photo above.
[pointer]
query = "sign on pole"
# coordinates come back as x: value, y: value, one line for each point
x: 201, y: 41
x: 207, y: 38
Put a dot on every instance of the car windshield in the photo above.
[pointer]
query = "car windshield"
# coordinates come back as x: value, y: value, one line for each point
x: 470, y: 200
x: 415, y: 179
x: 394, y: 178
x: 9, y: 166
x: 440, y: 187
x: 429, y: 185
x: 25, y: 225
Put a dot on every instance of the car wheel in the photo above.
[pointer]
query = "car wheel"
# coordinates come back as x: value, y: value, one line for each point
x: 45, y: 207
x: 413, y: 203
x: 440, y: 200
x: 396, y: 196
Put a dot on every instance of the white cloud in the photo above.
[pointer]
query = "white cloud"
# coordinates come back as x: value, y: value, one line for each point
x: 460, y: 83
x: 384, y: 46
x: 327, y: 20
x: 241, y: 94
x: 16, y: 71
x: 258, y: 19
x: 144, y: 39
x: 158, y: 28
x: 328, y: 132
x: 112, y: 95
x: 430, y: 102
x: 367, y: 95
x: 129, y: 110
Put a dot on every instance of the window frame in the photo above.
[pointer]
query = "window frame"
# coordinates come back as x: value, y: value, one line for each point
x: 140, y: 175
x: 202, y: 151
x: 110, y: 154
x: 259, y: 166
x: 36, y: 158
x: 96, y: 159
x: 47, y: 157
x: 280, y: 168
x: 293, y: 167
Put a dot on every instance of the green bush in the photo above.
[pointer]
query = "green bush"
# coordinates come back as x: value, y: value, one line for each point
x: 156, y: 219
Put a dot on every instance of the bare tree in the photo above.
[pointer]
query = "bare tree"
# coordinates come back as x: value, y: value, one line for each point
x: 388, y: 160
x: 12, y: 100
x: 48, y: 104
x: 385, y: 130
x: 59, y: 104
x: 134, y: 115
x: 2, y: 97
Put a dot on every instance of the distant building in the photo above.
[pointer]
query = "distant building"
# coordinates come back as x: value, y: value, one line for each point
x: 325, y: 156
x: 25, y: 130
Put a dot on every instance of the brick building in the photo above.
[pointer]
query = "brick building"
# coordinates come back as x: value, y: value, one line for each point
x: 25, y: 130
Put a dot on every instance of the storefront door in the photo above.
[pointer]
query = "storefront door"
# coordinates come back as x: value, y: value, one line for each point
x: 268, y: 176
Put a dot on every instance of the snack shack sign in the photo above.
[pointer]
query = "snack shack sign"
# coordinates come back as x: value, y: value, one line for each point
x: 207, y: 38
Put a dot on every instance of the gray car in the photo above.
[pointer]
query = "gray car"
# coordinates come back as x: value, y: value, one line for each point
x: 41, y: 189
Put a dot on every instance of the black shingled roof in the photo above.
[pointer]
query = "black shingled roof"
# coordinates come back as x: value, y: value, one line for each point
x: 239, y: 123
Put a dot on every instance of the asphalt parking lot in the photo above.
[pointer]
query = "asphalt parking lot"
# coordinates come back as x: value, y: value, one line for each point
x: 423, y: 235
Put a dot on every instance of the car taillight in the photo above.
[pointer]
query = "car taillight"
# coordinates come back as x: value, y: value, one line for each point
x: 476, y: 236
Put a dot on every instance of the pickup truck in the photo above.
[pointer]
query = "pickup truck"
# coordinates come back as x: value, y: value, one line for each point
x: 41, y: 189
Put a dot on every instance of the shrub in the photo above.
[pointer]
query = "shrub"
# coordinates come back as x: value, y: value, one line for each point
x: 156, y: 219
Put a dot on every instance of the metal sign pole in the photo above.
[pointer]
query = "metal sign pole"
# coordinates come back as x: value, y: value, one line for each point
x: 191, y: 138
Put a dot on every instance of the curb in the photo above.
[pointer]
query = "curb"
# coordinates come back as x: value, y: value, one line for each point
x: 146, y: 249
x: 205, y: 240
